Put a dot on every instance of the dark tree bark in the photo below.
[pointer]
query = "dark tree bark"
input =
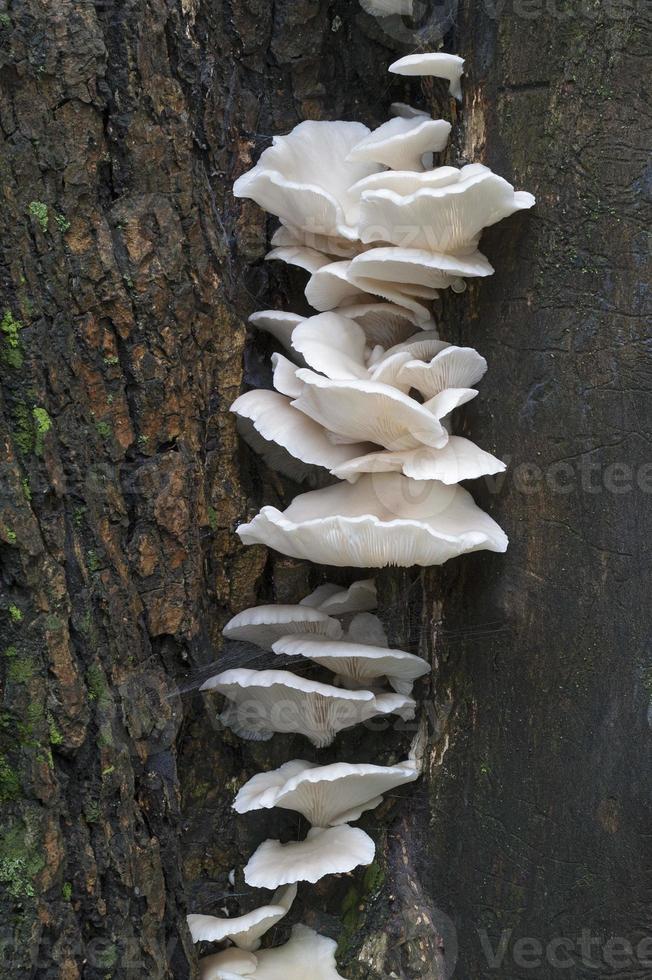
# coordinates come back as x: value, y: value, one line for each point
x: 128, y: 271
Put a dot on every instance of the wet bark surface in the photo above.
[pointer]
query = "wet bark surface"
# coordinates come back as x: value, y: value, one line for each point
x: 127, y: 273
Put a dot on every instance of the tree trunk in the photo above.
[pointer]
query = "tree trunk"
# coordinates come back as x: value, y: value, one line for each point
x: 128, y: 272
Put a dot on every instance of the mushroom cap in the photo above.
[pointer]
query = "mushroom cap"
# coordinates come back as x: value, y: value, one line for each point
x: 245, y: 930
x: 268, y: 701
x: 407, y: 111
x: 414, y: 265
x: 382, y: 519
x: 332, y: 599
x: 280, y: 430
x: 451, y: 369
x: 384, y: 323
x: 335, y: 286
x: 460, y: 459
x: 356, y: 664
x: 300, y: 255
x: 408, y: 181
x: 263, y: 625
x: 333, y: 344
x: 401, y: 143
x: 278, y: 323
x: 366, y: 628
x: 285, y: 376
x: 326, y: 796
x: 230, y: 964
x: 304, y: 177
x: 306, y: 956
x: 449, y: 66
x: 369, y: 411
x: 441, y: 219
x: 334, y: 850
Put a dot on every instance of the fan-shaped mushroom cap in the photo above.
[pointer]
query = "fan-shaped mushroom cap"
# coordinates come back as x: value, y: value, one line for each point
x: 368, y: 411
x: 407, y: 111
x: 327, y: 796
x: 268, y: 701
x: 441, y: 219
x: 460, y: 459
x: 277, y: 322
x: 335, y: 850
x: 418, y: 266
x: 357, y: 665
x: 305, y: 258
x: 385, y: 324
x: 332, y: 599
x: 408, y: 181
x: 304, y: 177
x: 264, y: 625
x: 230, y: 964
x: 334, y: 286
x: 385, y: 519
x: 285, y: 376
x: 449, y: 66
x: 401, y: 143
x: 332, y: 344
x: 306, y: 956
x: 280, y: 430
x: 245, y: 930
x: 452, y: 368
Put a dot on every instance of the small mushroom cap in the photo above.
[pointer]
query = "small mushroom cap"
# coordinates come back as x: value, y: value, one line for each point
x: 368, y: 411
x: 326, y: 796
x: 357, y: 664
x: 401, y: 143
x: 449, y: 66
x: 452, y: 369
x: 278, y: 323
x: 245, y: 930
x: 306, y: 956
x: 366, y: 628
x: 382, y: 519
x: 305, y: 258
x: 460, y: 459
x: 408, y: 181
x: 441, y: 219
x: 263, y: 625
x: 335, y: 286
x: 280, y: 430
x: 334, y: 850
x: 413, y: 265
x: 358, y: 598
x: 230, y: 964
x: 304, y: 177
x: 285, y: 376
x: 407, y: 111
x: 384, y: 324
x: 268, y: 701
x: 332, y: 344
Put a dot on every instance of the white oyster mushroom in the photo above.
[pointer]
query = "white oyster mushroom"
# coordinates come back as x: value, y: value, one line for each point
x: 409, y: 181
x: 334, y: 286
x: 230, y: 964
x: 278, y: 323
x: 418, y: 266
x: 382, y: 519
x: 450, y: 368
x: 437, y: 64
x: 332, y: 344
x: 385, y: 324
x: 264, y: 625
x: 367, y: 629
x: 369, y: 411
x: 268, y: 701
x: 334, y: 850
x: 357, y: 665
x: 332, y: 599
x: 306, y: 956
x: 288, y: 440
x: 402, y: 143
x: 460, y: 459
x: 304, y: 177
x: 440, y: 219
x: 244, y: 930
x: 327, y: 796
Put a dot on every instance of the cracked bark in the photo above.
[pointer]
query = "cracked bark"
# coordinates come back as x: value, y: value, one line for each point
x: 127, y: 273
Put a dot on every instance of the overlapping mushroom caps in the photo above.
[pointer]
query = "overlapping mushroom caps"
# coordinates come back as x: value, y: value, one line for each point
x: 365, y: 391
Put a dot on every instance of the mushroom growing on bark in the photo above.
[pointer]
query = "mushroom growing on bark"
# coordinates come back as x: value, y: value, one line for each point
x: 449, y: 66
x: 306, y: 956
x: 244, y: 930
x: 333, y: 850
x: 263, y: 625
x: 230, y: 964
x: 360, y: 597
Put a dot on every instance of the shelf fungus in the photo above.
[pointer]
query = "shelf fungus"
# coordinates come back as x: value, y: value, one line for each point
x: 245, y: 931
x: 383, y: 519
x: 438, y: 64
x: 402, y: 143
x: 263, y: 625
x: 357, y: 665
x: 325, y: 851
x: 262, y: 702
x: 326, y: 796
x: 360, y: 597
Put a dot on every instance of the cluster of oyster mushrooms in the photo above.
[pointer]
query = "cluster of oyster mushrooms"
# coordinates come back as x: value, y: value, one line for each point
x: 361, y: 403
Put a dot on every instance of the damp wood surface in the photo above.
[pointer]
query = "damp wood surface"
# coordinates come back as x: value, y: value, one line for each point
x: 127, y: 273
